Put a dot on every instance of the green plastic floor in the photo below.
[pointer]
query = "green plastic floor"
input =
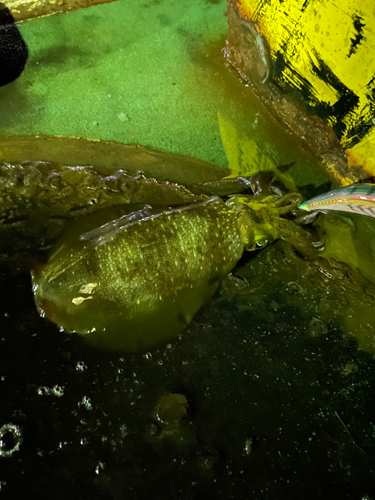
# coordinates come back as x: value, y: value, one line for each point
x: 122, y: 71
x: 151, y: 73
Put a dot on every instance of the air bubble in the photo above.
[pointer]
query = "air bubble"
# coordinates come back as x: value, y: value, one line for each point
x: 10, y: 439
x: 80, y: 366
x: 293, y: 288
x: 248, y: 448
x: 317, y: 327
x: 56, y: 390
x: 86, y: 403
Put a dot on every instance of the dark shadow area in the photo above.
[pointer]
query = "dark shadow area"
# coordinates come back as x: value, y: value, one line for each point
x: 277, y: 407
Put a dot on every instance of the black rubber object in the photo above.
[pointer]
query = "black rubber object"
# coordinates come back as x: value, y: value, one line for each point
x: 13, y: 49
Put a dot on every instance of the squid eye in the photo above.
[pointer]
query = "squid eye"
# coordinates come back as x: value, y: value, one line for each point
x: 262, y: 243
x: 257, y: 245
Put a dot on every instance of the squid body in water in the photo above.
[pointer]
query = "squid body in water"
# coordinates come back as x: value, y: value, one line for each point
x: 138, y: 279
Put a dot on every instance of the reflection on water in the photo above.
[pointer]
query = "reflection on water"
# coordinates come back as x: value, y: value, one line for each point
x: 255, y: 396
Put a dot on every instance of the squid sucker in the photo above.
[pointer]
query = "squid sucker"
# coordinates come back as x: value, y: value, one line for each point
x: 139, y: 279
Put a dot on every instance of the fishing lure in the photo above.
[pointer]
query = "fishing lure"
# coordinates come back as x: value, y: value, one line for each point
x: 355, y: 198
x: 140, y: 278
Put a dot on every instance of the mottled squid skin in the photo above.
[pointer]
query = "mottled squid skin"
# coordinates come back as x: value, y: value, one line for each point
x: 140, y: 279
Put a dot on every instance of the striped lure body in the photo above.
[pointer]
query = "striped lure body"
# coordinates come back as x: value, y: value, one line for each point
x: 356, y: 198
